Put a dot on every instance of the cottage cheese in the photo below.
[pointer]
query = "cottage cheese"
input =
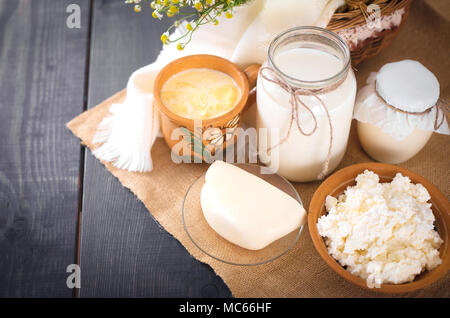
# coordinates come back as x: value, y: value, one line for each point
x: 382, y: 232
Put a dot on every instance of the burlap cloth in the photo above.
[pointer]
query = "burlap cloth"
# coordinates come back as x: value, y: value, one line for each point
x: 301, y: 272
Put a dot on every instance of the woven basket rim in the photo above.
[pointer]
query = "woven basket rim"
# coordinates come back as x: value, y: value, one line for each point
x: 354, y: 17
x: 381, y: 39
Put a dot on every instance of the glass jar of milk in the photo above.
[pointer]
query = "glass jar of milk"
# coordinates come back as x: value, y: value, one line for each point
x: 314, y: 60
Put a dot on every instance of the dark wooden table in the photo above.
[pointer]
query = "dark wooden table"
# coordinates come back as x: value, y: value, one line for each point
x: 58, y: 205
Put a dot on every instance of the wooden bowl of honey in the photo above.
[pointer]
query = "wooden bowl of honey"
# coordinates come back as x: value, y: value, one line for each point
x: 201, y: 137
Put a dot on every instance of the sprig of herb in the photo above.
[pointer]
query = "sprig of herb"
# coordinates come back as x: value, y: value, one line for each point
x: 205, y: 11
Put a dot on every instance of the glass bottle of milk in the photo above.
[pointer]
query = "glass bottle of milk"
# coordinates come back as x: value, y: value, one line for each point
x: 316, y: 60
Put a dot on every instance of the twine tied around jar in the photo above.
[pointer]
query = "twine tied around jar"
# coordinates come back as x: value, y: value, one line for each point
x: 441, y: 104
x: 295, y: 100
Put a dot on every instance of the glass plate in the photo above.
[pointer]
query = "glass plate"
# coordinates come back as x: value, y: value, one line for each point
x: 215, y: 246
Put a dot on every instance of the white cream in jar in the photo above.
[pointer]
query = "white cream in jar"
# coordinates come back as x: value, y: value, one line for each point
x: 385, y: 148
x: 398, y: 111
x: 313, y: 58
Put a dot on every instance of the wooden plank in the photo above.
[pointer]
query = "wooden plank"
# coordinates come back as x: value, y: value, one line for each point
x: 42, y: 69
x: 123, y: 251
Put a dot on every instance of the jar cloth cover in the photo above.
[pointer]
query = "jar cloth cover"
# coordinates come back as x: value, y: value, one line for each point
x: 401, y: 97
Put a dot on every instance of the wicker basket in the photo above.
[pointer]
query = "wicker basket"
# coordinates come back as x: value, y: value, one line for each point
x: 353, y: 15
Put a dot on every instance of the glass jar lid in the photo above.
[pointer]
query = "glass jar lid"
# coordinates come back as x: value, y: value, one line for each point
x: 313, y: 38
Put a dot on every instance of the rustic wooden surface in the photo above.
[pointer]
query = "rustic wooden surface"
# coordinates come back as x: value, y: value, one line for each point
x: 58, y: 205
x: 42, y: 71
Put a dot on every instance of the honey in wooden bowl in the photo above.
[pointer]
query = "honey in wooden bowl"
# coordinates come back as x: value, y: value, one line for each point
x: 191, y: 132
x: 200, y: 93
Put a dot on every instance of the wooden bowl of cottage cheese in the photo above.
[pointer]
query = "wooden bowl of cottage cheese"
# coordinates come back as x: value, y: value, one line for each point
x: 381, y: 227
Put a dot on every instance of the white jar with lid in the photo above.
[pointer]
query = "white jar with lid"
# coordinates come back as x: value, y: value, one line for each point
x: 315, y: 62
x: 398, y: 110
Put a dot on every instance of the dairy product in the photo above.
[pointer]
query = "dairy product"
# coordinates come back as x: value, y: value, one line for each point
x: 398, y: 110
x: 308, y: 64
x: 382, y: 232
x: 301, y: 157
x: 245, y: 209
x: 385, y: 148
x: 200, y: 93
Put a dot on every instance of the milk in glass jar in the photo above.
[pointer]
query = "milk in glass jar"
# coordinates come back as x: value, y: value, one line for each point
x: 305, y: 93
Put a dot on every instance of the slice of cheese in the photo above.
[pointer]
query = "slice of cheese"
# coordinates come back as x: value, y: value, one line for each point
x: 245, y: 209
